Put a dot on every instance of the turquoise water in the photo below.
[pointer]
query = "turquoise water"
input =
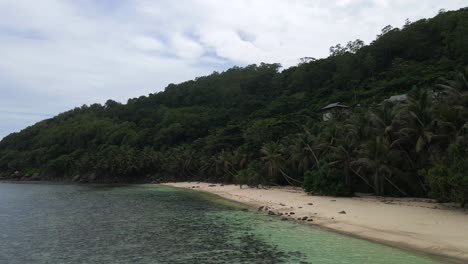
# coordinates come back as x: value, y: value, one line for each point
x: 42, y: 223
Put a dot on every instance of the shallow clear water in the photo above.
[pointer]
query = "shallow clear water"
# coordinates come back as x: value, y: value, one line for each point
x: 154, y: 224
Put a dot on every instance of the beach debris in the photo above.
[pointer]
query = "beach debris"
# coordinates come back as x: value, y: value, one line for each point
x: 304, y: 218
x: 271, y: 213
x: 300, y: 207
x: 261, y: 208
x: 291, y: 213
x: 282, y: 204
x: 284, y: 219
x: 310, y: 220
x: 212, y: 185
x: 310, y: 204
x: 342, y: 212
x: 333, y: 218
x: 332, y: 200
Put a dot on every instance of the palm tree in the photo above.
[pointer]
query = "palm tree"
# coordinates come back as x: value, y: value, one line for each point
x: 300, y: 157
x: 349, y: 138
x: 344, y: 153
x: 225, y: 163
x: 454, y: 106
x: 456, y: 89
x: 384, y: 119
x: 377, y: 157
x: 418, y: 122
x: 274, y: 161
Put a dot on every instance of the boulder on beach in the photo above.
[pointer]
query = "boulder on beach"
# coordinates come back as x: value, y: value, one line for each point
x: 17, y: 175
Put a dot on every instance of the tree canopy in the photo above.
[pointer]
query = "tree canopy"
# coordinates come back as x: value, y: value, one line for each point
x: 259, y: 124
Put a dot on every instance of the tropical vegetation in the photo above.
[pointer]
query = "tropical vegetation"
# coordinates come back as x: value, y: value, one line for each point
x: 261, y: 124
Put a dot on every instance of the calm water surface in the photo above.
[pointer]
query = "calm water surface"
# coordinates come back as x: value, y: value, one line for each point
x: 154, y: 224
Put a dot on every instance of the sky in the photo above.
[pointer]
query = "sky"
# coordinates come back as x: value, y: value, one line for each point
x: 59, y: 54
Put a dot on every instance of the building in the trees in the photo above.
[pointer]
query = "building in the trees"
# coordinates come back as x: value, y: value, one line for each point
x: 331, y: 110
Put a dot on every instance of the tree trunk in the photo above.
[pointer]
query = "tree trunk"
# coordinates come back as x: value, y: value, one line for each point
x: 377, y: 184
x: 348, y: 177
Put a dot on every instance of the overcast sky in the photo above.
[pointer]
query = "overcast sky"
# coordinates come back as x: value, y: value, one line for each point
x: 58, y: 54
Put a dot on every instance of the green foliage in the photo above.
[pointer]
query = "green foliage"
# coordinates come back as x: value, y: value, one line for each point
x: 325, y: 180
x: 257, y: 124
x: 448, y: 178
x: 248, y: 177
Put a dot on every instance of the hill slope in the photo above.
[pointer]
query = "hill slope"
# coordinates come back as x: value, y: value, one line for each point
x: 257, y: 124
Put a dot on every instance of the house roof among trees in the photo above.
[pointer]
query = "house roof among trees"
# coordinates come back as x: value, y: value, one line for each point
x: 335, y: 105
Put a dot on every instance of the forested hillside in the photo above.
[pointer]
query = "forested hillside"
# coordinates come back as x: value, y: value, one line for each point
x: 258, y: 124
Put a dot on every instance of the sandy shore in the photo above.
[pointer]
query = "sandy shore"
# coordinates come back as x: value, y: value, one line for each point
x: 415, y: 224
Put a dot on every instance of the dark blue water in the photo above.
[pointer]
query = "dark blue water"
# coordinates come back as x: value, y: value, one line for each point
x: 154, y: 224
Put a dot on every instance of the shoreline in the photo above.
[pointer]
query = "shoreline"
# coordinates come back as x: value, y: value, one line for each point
x: 413, y: 224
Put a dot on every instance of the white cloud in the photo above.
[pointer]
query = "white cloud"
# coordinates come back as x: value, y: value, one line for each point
x: 58, y: 54
x: 186, y: 48
x: 148, y: 43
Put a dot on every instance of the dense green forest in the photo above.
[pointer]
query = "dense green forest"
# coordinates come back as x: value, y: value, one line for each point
x: 262, y: 125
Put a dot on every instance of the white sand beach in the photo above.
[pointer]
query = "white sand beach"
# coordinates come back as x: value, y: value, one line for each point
x: 417, y: 224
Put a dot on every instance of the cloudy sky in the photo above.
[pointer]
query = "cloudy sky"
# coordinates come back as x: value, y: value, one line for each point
x: 58, y: 54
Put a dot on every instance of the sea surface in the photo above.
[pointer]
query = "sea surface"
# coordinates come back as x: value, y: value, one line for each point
x: 46, y: 223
